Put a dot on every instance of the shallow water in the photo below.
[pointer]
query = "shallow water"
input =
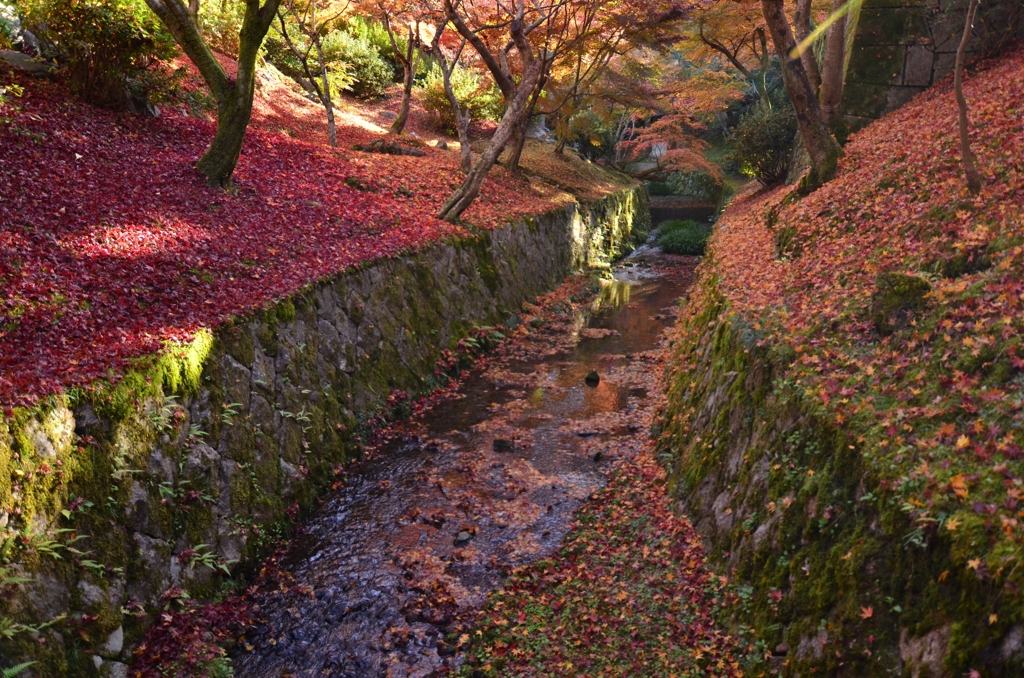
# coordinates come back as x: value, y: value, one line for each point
x: 486, y: 481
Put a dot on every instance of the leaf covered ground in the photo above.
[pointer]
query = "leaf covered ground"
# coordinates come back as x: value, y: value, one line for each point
x: 112, y: 245
x: 628, y: 594
x: 935, y: 408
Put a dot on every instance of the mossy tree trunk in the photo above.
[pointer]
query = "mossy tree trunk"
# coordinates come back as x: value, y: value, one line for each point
x: 234, y: 96
x: 822, y: 148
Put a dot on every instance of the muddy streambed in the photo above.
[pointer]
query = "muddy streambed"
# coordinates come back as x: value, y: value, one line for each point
x: 391, y: 566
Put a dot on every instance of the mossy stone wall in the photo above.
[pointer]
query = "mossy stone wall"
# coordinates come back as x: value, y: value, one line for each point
x: 187, y: 470
x: 902, y: 47
x: 830, y: 578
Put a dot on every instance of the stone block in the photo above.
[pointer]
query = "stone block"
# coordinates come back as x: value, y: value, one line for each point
x: 917, y: 69
x: 892, y: 26
x: 876, y: 65
x: 897, y: 96
x: 944, y: 64
x: 864, y: 101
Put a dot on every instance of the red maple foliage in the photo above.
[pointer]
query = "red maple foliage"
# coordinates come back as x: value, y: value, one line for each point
x: 111, y: 244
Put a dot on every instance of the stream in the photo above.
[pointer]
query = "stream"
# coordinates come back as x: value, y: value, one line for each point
x: 392, y: 566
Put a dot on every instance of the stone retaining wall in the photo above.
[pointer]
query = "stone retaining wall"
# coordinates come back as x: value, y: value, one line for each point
x: 827, y: 581
x: 902, y: 47
x: 201, y: 457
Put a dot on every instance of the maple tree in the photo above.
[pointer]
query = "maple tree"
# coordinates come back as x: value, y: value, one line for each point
x: 822, y: 148
x: 582, y: 41
x: 737, y: 31
x: 235, y: 94
x: 682, y: 97
x: 517, y: 94
x: 460, y: 114
x: 973, y: 177
x: 409, y: 57
x: 312, y: 19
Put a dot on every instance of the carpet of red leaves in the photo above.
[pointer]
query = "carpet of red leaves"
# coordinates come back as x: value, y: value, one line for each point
x: 111, y: 244
x: 936, y: 407
x: 628, y: 595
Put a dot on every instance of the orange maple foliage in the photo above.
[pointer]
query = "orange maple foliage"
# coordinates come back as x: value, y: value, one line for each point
x: 935, y: 407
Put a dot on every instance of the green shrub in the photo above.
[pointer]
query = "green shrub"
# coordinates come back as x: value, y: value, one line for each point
x: 105, y: 47
x: 764, y: 142
x: 698, y: 185
x: 369, y: 73
x: 483, y: 102
x: 682, y: 237
x: 8, y: 25
x: 659, y: 188
x: 220, y: 21
x: 374, y: 34
x: 353, y: 60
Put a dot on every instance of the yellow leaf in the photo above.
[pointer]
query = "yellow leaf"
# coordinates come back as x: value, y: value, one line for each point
x: 962, y: 442
x: 973, y: 563
x: 952, y: 524
x: 944, y: 575
x: 992, y: 619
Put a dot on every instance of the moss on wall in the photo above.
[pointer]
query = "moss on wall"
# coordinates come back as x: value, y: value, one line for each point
x: 185, y: 470
x: 832, y: 577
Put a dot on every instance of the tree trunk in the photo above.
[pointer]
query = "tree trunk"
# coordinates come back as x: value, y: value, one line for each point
x: 519, y: 141
x: 193, y: 9
x: 973, y: 176
x: 409, y: 62
x: 515, y: 149
x: 514, y: 112
x: 332, y: 127
x: 234, y: 98
x: 560, y: 146
x: 802, y: 26
x: 821, y: 146
x: 220, y: 159
x: 461, y: 119
x: 470, y: 188
x: 309, y: 82
x: 833, y: 66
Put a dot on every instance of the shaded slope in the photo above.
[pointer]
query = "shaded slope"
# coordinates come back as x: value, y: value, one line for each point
x: 864, y: 471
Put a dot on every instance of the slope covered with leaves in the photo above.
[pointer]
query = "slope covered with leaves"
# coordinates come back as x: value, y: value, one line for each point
x: 112, y: 245
x: 934, y: 405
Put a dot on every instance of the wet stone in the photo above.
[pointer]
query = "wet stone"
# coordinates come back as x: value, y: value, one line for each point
x: 394, y: 547
x: 503, y: 445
